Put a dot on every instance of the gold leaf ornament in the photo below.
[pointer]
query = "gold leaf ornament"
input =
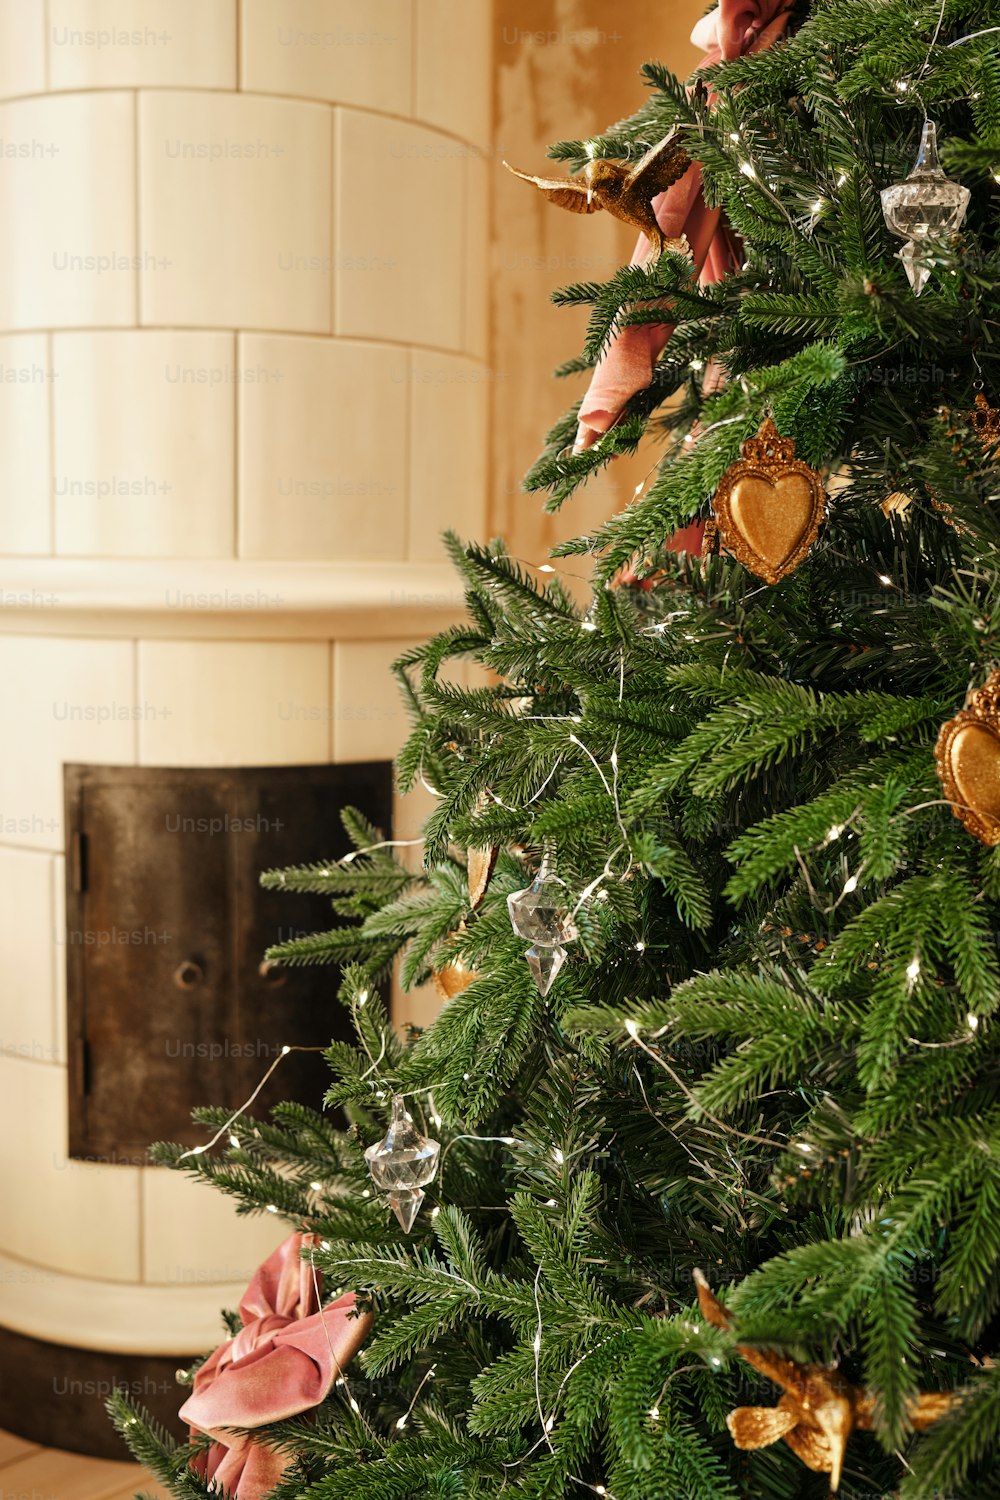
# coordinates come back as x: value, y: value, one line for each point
x: 769, y: 505
x: 818, y: 1409
x: 480, y: 864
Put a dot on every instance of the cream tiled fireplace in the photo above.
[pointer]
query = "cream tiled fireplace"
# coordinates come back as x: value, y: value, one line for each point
x: 242, y: 390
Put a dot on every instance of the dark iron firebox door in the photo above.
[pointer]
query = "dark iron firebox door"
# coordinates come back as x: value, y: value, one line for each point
x: 169, y: 1002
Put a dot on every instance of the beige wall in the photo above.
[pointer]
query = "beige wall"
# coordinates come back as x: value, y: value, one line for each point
x: 564, y: 69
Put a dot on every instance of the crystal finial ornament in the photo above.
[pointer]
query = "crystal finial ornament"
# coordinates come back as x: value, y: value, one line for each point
x: 545, y: 964
x: 402, y: 1163
x: 926, y: 205
x: 539, y: 914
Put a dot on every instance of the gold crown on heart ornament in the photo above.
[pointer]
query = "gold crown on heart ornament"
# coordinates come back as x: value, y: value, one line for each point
x: 986, y: 420
x: 769, y: 505
x: 968, y: 762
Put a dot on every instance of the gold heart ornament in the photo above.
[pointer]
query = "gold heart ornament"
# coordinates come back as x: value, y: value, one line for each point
x: 968, y: 762
x: 769, y: 505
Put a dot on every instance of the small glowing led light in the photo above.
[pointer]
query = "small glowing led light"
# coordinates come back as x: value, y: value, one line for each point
x: 834, y: 833
x: 285, y: 1051
x: 400, y: 1423
x: 697, y: 364
x: 902, y: 86
x: 599, y: 1489
x: 819, y: 205
x: 363, y: 998
x: 507, y: 1140
x: 557, y: 1156
x: 348, y: 857
x: 197, y: 1150
x: 638, y: 489
x: 842, y: 179
x: 632, y: 1028
x: 324, y: 1244
x: 803, y: 1146
x: 466, y: 1077
x: 734, y: 135
x: 640, y: 947
x: 355, y: 1407
x: 317, y: 1187
x: 747, y: 169
x: 972, y: 1021
x: 272, y: 1208
x: 537, y: 1342
x: 587, y: 625
x: 550, y: 1422
x: 234, y: 1141
x: 435, y: 1210
x: 366, y: 1192
x: 913, y: 970
x: 850, y: 884
x: 885, y: 580
x: 550, y: 1203
x: 546, y: 568
x: 654, y: 1412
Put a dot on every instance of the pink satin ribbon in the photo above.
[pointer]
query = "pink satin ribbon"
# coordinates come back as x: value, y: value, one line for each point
x: 283, y: 1361
x: 741, y: 26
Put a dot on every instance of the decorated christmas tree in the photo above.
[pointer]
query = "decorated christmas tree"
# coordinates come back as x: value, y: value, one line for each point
x: 693, y: 1187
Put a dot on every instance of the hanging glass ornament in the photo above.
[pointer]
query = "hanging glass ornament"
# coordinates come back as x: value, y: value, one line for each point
x: 540, y: 916
x: 402, y: 1164
x: 925, y: 206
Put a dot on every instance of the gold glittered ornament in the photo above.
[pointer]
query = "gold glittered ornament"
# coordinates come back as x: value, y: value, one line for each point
x: 622, y: 188
x: 452, y: 978
x: 819, y: 1408
x: 968, y: 762
x: 769, y: 505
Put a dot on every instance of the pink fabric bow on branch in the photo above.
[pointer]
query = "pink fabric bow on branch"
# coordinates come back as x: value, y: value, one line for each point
x: 283, y: 1361
x: 735, y: 28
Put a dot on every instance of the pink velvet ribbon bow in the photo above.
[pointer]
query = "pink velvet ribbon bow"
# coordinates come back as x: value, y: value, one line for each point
x: 283, y: 1361
x: 735, y: 28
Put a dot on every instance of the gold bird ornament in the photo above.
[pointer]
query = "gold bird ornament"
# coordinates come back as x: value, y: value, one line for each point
x: 623, y: 188
x: 819, y: 1408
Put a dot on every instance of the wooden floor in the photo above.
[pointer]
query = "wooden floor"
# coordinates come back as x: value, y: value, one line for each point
x: 48, y: 1474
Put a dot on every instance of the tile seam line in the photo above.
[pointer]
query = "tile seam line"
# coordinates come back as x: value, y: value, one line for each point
x: 351, y: 340
x: 312, y: 99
